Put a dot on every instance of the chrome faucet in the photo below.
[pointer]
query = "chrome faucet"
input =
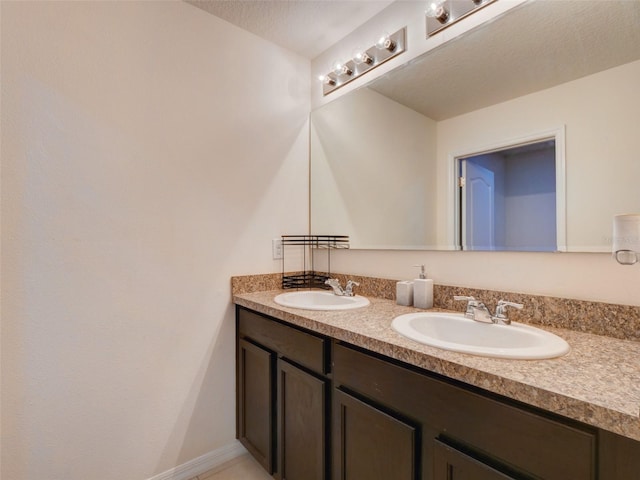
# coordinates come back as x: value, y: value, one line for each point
x: 348, y: 290
x: 479, y: 312
x: 501, y: 317
x: 338, y: 290
x: 476, y: 310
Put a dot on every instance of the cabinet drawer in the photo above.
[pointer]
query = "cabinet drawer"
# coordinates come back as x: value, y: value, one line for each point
x: 298, y: 346
x: 537, y: 445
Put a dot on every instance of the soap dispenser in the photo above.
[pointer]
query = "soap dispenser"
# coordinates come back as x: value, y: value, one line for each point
x: 422, y: 290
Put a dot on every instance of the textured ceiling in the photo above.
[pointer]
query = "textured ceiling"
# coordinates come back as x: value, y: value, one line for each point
x: 307, y: 27
x: 536, y: 46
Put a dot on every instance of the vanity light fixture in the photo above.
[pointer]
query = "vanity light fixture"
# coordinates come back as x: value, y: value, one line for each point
x: 443, y: 13
x: 386, y: 47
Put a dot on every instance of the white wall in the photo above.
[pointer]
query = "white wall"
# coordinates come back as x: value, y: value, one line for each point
x: 148, y: 154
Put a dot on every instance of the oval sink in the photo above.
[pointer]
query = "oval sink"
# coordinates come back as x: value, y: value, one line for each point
x: 320, y: 300
x: 453, y: 331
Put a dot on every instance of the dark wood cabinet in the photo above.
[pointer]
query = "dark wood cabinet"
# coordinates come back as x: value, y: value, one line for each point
x: 312, y: 408
x: 370, y: 443
x: 515, y: 438
x: 255, y: 401
x: 451, y: 464
x: 302, y: 422
x: 282, y: 399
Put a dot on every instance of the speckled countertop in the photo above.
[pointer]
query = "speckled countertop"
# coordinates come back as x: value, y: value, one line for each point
x: 597, y: 382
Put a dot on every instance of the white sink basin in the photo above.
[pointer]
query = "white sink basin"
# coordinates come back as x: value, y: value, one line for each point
x: 319, y: 300
x: 453, y: 331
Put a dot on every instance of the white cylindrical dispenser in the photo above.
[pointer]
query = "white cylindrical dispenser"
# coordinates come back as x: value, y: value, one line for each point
x: 422, y: 290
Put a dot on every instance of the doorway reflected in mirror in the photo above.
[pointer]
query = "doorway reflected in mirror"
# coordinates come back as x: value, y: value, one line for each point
x: 507, y: 199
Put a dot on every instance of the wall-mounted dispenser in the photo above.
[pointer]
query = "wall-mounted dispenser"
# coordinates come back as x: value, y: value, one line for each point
x: 626, y: 238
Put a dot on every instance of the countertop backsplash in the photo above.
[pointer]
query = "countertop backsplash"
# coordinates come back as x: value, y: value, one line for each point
x: 612, y: 320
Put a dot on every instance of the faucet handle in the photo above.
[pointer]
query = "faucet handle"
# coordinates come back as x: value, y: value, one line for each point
x: 471, y: 304
x: 462, y: 297
x: 334, y: 283
x: 349, y: 287
x: 501, y: 308
x: 503, y: 304
x: 472, y: 300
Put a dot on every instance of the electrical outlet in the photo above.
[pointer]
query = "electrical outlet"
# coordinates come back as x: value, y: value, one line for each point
x: 276, y: 247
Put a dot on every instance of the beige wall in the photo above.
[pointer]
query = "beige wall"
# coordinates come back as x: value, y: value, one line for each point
x: 372, y: 159
x: 149, y: 152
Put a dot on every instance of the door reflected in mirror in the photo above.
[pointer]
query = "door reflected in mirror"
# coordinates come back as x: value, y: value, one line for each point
x: 507, y: 199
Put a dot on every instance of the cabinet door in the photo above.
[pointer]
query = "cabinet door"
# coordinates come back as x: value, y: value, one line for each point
x: 255, y: 399
x: 451, y: 464
x: 301, y: 424
x: 371, y: 444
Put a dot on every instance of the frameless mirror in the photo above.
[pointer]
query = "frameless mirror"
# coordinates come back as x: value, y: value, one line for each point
x: 385, y: 159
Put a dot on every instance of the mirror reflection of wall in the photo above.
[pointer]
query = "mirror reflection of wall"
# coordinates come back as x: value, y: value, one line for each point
x: 373, y: 172
x: 508, y: 199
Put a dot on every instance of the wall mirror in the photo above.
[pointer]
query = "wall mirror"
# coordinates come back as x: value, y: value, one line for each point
x: 385, y: 158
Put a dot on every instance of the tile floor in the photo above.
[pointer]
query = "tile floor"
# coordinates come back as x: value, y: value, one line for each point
x: 242, y: 468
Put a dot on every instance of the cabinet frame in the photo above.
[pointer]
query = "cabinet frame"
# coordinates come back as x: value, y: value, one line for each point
x: 294, y: 357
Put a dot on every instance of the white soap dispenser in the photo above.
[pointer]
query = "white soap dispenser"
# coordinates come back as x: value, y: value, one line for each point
x: 422, y: 290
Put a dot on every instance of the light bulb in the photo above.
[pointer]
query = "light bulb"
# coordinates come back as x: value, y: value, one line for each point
x: 384, y: 42
x: 360, y: 56
x: 326, y: 80
x: 436, y: 9
x: 340, y: 68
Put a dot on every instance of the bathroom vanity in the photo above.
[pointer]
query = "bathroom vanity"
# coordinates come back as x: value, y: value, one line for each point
x: 339, y: 395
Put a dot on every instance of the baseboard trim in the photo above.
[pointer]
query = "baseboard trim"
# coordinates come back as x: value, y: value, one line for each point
x: 204, y: 463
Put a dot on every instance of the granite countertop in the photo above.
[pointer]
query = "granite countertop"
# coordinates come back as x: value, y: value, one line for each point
x: 597, y: 382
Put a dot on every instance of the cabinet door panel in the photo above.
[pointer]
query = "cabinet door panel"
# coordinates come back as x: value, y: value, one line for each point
x: 371, y: 444
x: 619, y: 457
x: 301, y: 424
x: 255, y: 401
x: 451, y: 464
